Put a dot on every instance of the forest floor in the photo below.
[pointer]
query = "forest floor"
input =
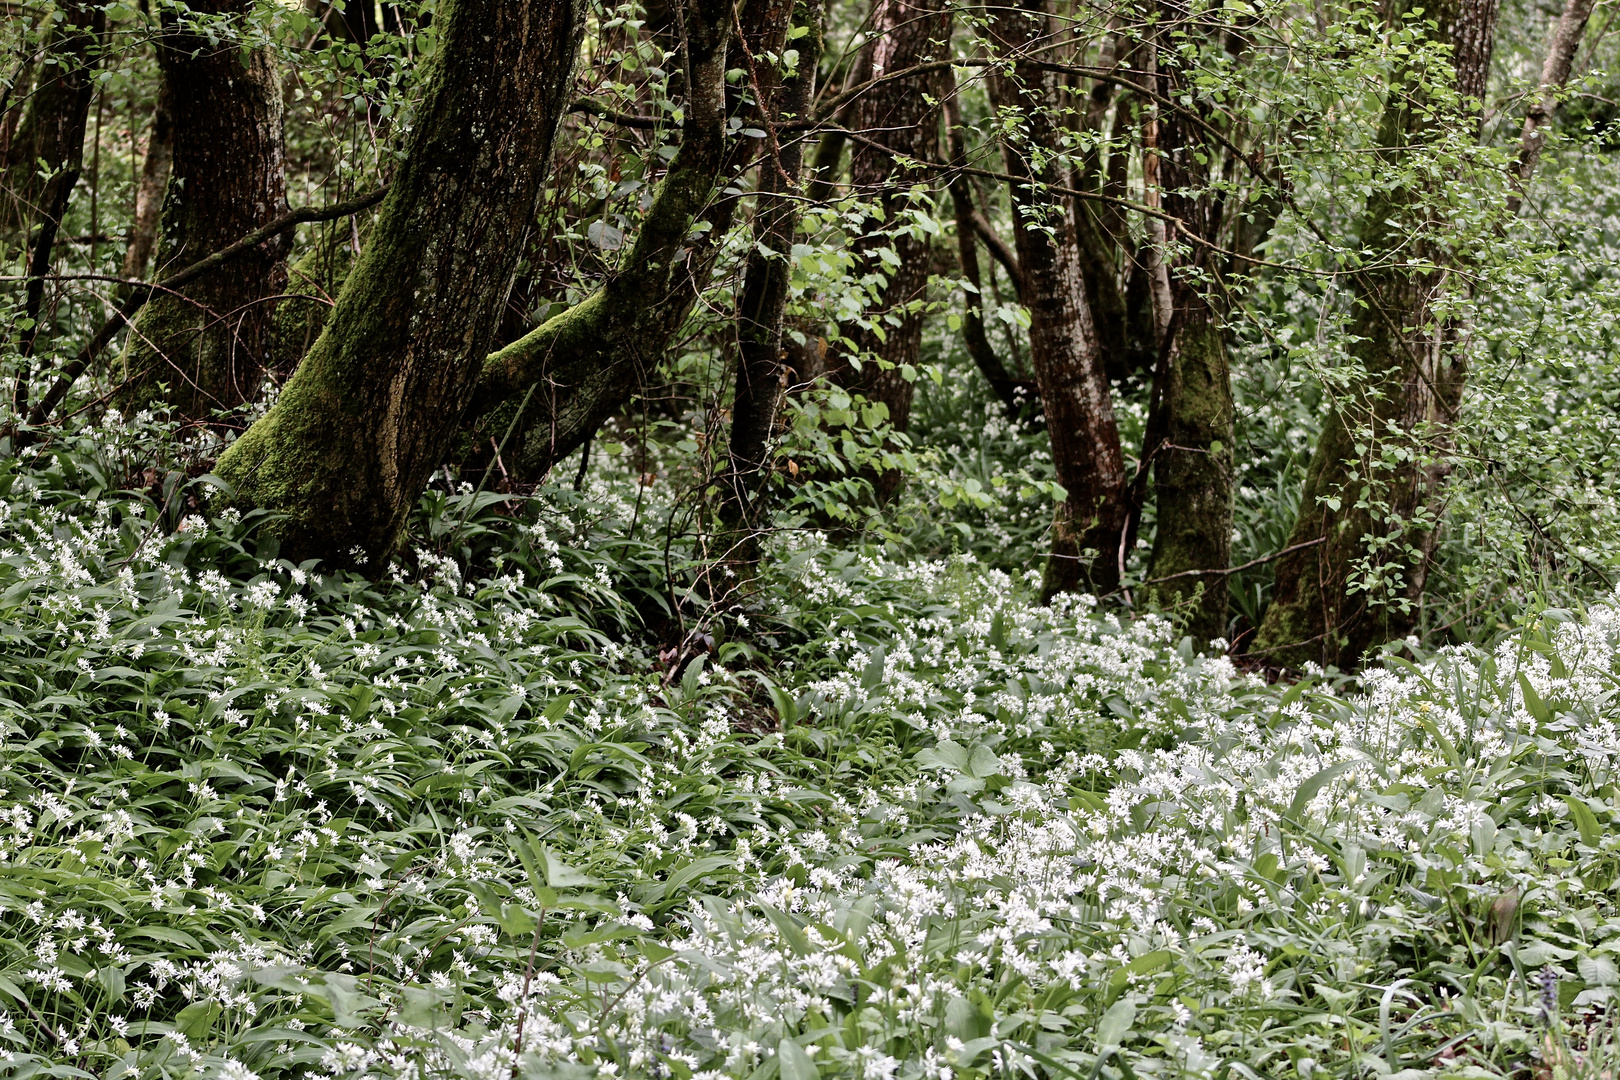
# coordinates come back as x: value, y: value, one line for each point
x: 891, y: 820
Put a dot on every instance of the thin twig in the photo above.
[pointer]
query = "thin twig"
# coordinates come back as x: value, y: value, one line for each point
x: 138, y: 295
x: 1289, y: 550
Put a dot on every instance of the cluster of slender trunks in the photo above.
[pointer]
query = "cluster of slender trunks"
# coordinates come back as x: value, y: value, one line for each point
x: 392, y: 349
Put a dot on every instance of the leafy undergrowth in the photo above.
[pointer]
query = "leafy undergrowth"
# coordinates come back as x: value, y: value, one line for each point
x: 900, y: 822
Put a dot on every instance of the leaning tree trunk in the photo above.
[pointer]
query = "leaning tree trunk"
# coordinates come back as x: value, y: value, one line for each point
x: 541, y: 397
x: 1370, y: 525
x: 52, y: 138
x: 1554, y: 74
x: 1190, y: 440
x: 1016, y: 395
x: 44, y: 155
x: 896, y: 120
x: 204, y: 349
x: 346, y: 451
x: 1063, y: 341
x: 761, y: 372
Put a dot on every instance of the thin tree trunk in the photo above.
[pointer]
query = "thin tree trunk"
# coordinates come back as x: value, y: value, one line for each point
x: 761, y: 372
x: 143, y: 231
x: 550, y: 390
x: 1373, y: 526
x: 902, y: 118
x: 1016, y: 395
x: 371, y: 412
x: 1554, y: 74
x: 1155, y: 267
x: 824, y: 164
x: 53, y: 139
x: 209, y: 345
x: 1098, y: 228
x: 1063, y: 341
x: 47, y: 148
x: 1191, y: 442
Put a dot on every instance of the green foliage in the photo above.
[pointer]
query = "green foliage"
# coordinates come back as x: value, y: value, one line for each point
x: 462, y: 821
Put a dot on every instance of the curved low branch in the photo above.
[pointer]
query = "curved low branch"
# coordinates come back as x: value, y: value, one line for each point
x: 140, y: 294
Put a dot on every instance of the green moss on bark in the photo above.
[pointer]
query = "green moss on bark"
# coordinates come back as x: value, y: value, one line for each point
x: 1193, y: 476
x: 587, y: 362
x: 1370, y: 500
x: 313, y: 283
x: 370, y: 413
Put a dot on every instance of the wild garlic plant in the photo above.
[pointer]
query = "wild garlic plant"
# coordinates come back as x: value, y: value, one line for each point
x: 464, y: 821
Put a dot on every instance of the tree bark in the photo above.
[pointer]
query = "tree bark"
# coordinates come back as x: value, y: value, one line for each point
x: 209, y: 345
x: 761, y: 371
x: 1370, y: 502
x: 1554, y: 74
x: 542, y: 396
x: 902, y: 118
x: 1016, y: 395
x: 1191, y: 442
x: 53, y: 140
x: 154, y: 182
x: 371, y: 412
x: 45, y: 153
x: 1068, y: 365
x: 1098, y: 229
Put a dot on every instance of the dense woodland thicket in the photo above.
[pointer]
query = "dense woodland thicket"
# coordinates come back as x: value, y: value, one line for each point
x: 1296, y: 318
x: 809, y: 538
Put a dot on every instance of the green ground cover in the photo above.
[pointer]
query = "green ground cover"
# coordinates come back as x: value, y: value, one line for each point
x: 893, y: 820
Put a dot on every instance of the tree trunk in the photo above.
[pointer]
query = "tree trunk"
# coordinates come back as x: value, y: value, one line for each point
x: 209, y: 344
x: 1191, y: 440
x: 313, y: 284
x: 761, y: 373
x: 1554, y: 74
x: 53, y: 139
x: 143, y: 231
x: 902, y: 119
x: 1016, y: 395
x: 550, y: 390
x: 1098, y: 229
x: 1063, y: 340
x: 346, y: 451
x: 1369, y: 507
x: 45, y: 153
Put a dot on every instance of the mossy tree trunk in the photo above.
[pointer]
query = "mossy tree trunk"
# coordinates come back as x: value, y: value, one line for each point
x: 898, y: 120
x: 313, y: 284
x: 46, y: 151
x: 545, y: 394
x: 208, y: 345
x: 372, y: 410
x: 761, y: 371
x: 1075, y: 396
x: 1191, y: 439
x: 1369, y: 508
